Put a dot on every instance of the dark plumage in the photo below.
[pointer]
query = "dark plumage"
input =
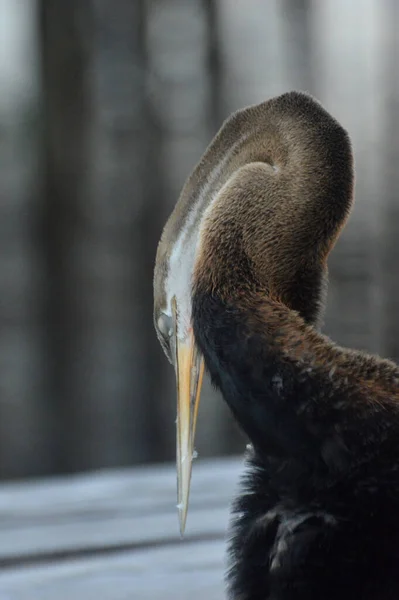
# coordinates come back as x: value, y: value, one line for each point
x: 318, y: 516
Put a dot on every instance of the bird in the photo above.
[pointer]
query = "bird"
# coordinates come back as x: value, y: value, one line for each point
x: 240, y: 284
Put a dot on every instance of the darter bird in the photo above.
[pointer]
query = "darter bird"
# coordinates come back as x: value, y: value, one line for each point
x: 239, y: 287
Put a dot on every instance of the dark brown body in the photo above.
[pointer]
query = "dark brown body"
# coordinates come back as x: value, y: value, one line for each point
x: 319, y: 512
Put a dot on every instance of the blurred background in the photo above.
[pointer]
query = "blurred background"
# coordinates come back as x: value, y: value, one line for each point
x: 105, y: 107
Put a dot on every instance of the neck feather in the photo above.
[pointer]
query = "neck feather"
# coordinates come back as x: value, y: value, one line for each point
x: 292, y: 391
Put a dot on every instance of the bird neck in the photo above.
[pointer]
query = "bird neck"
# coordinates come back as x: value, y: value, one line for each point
x: 293, y: 392
x: 276, y: 245
x: 231, y: 272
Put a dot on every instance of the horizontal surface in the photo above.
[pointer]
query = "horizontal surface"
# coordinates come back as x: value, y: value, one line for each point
x: 132, y: 508
x: 183, y: 572
x: 114, y: 535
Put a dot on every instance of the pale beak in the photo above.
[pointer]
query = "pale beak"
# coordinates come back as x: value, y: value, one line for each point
x: 189, y: 366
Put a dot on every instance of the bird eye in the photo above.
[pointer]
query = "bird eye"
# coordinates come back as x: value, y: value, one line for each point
x: 165, y: 329
x: 165, y: 325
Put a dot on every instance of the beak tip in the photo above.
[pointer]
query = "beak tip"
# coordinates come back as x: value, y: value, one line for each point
x: 182, y: 520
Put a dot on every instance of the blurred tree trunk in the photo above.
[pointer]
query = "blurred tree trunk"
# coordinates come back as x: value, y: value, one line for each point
x: 214, y: 64
x: 348, y: 85
x: 299, y: 58
x: 100, y: 300
x: 117, y: 346
x: 390, y: 235
x: 66, y: 110
x: 24, y: 419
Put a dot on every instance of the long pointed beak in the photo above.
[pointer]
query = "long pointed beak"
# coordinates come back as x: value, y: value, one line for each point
x: 189, y: 366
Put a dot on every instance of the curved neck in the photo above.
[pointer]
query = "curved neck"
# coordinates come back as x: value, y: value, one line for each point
x: 291, y: 390
x: 266, y: 248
